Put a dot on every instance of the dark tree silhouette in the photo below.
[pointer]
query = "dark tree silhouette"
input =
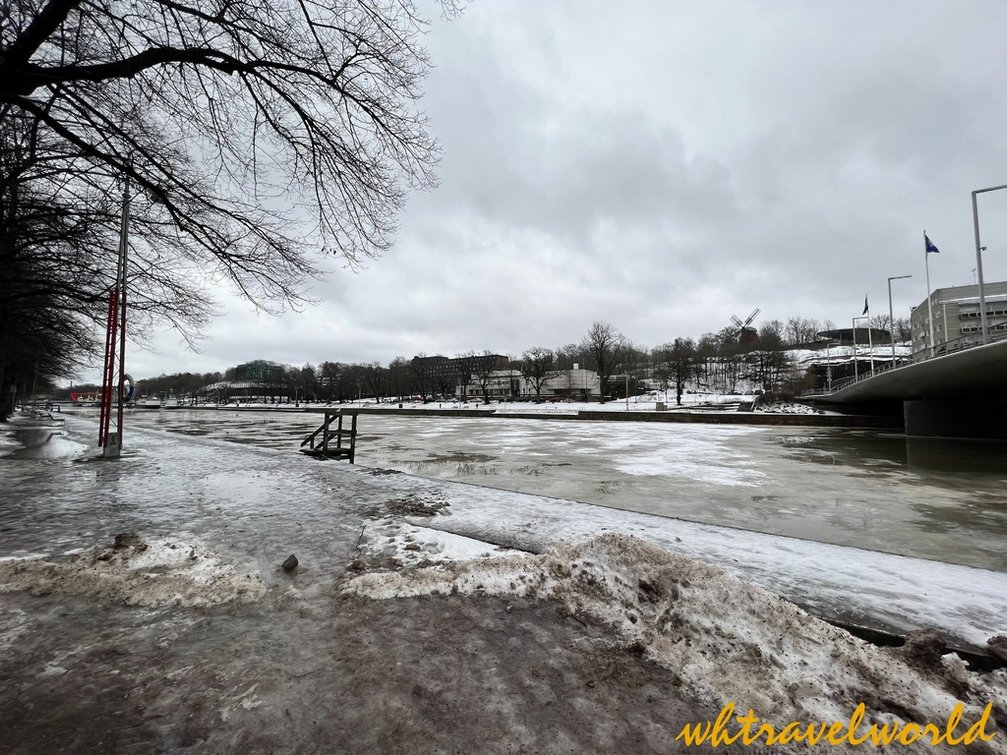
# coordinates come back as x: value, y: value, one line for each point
x: 253, y: 136
x: 229, y: 118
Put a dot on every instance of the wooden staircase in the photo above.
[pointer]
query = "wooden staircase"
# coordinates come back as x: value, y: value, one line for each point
x: 327, y: 442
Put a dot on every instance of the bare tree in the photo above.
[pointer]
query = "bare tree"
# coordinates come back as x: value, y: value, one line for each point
x: 569, y: 355
x: 484, y: 367
x: 769, y: 362
x: 799, y: 330
x: 604, y: 345
x: 398, y: 377
x: 58, y: 268
x: 420, y: 373
x: 538, y: 366
x: 308, y: 382
x: 682, y: 358
x: 228, y: 121
x: 730, y: 359
x: 902, y: 329
x: 706, y: 352
x: 882, y: 322
x: 329, y: 373
x: 465, y: 366
x: 375, y: 377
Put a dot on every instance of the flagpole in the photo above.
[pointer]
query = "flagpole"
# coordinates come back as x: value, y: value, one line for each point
x: 930, y: 308
x: 856, y: 372
x: 870, y: 341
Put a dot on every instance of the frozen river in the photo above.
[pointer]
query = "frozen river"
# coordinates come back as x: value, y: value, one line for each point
x: 940, y: 501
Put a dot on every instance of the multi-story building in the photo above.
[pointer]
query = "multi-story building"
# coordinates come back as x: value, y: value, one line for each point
x: 578, y: 384
x: 957, y: 322
x: 492, y: 375
x: 259, y: 371
x: 439, y: 374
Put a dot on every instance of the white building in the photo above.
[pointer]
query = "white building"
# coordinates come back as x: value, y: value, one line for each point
x: 957, y: 322
x: 576, y: 384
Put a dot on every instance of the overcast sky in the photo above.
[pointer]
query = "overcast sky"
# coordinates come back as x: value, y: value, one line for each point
x: 661, y: 166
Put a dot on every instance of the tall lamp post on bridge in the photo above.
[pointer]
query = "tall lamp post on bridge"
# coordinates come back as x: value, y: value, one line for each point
x: 828, y: 361
x: 979, y: 254
x: 891, y: 317
x: 870, y: 343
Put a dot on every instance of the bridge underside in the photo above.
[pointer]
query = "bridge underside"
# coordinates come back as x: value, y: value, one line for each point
x: 961, y: 395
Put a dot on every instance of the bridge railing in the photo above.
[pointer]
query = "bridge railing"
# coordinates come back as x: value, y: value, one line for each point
x: 948, y: 347
x: 838, y: 385
x: 961, y: 343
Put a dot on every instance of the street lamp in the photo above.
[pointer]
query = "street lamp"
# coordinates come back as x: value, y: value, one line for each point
x: 891, y: 317
x: 979, y: 254
x: 870, y: 343
x: 828, y: 362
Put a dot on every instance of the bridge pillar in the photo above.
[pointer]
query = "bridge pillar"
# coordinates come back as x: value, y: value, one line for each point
x: 956, y: 419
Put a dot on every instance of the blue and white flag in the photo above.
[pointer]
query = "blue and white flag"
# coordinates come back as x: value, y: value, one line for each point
x: 931, y: 246
x: 866, y: 308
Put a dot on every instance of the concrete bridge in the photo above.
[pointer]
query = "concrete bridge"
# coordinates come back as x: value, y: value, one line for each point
x: 962, y: 394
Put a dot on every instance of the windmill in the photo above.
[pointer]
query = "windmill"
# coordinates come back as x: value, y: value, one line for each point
x: 746, y: 333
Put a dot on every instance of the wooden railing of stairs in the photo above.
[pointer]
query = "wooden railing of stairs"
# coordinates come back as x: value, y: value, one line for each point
x: 327, y: 442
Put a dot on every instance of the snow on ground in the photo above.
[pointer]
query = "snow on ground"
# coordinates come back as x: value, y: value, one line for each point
x: 786, y: 407
x: 390, y: 540
x: 857, y: 586
x: 408, y: 545
x: 646, y: 402
x: 727, y: 639
x: 177, y: 571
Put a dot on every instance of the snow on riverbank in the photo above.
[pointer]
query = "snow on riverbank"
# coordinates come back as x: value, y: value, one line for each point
x: 158, y: 571
x: 728, y: 640
x: 853, y: 585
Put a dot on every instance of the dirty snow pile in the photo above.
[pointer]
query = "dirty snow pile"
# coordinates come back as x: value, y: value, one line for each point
x: 135, y: 572
x: 726, y: 639
x: 388, y: 541
x: 785, y: 407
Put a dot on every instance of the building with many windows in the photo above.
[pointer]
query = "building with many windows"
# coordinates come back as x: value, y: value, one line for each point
x: 575, y: 384
x: 957, y: 322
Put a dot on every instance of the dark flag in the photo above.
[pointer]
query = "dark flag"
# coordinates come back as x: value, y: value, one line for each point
x: 931, y: 246
x: 866, y: 308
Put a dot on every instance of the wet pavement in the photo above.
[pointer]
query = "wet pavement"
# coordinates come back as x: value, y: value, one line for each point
x: 303, y: 669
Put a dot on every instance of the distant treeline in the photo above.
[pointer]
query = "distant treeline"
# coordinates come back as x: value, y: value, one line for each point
x: 716, y: 361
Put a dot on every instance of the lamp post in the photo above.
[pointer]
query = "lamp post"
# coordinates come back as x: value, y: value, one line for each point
x: 891, y: 317
x: 870, y: 344
x: 111, y: 445
x: 979, y: 254
x: 828, y: 362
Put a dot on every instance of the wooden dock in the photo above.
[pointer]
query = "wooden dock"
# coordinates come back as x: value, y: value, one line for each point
x: 328, y: 442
